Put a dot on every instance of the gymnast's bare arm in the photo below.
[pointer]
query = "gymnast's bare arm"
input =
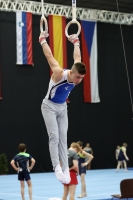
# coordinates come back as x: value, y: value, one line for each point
x: 13, y: 165
x: 77, y: 54
x: 87, y: 155
x: 124, y: 152
x: 75, y: 166
x: 54, y: 65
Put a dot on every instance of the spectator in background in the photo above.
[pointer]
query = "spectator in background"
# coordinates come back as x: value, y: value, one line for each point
x: 89, y: 150
x: 73, y: 167
x: 21, y: 165
x: 122, y: 157
x: 117, y: 151
x: 82, y: 168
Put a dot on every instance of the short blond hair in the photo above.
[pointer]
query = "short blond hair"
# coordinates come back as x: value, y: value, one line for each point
x: 75, y: 145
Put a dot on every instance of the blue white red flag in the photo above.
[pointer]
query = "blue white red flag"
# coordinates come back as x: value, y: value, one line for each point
x: 89, y: 57
x: 24, y: 38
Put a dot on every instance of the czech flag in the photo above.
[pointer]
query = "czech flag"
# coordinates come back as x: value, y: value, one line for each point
x: 89, y: 57
x: 57, y: 40
x: 24, y: 38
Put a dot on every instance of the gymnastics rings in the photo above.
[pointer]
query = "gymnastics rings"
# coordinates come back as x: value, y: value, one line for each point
x: 73, y: 21
x: 43, y: 21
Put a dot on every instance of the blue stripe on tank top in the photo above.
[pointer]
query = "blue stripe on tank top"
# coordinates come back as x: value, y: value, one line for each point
x: 62, y: 93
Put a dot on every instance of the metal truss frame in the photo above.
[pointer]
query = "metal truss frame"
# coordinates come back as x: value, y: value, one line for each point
x: 53, y: 9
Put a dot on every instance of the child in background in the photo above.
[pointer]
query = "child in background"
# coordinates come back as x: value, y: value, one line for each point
x: 73, y: 167
x: 21, y: 164
x: 117, y: 151
x: 82, y: 168
x: 122, y: 157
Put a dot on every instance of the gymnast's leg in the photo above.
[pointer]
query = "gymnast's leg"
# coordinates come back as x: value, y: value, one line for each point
x: 62, y: 120
x: 49, y: 116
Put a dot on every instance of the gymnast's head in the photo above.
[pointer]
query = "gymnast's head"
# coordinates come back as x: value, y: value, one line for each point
x: 77, y: 72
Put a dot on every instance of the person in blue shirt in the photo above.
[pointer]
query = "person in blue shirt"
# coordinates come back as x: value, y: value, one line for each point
x: 54, y: 107
x: 21, y: 164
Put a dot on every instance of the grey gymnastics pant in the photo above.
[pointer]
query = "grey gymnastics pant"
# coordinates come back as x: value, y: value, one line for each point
x: 56, y: 121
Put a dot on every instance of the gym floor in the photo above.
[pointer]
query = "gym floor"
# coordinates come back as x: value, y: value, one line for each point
x: 100, y: 185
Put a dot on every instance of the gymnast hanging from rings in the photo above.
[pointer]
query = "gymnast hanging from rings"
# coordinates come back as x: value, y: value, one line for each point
x: 54, y: 107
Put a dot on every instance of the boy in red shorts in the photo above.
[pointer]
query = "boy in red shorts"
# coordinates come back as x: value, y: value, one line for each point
x: 73, y: 167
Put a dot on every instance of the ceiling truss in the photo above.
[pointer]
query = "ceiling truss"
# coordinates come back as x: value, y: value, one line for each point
x: 53, y: 9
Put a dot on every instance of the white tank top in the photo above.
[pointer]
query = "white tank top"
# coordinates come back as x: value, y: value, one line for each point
x: 58, y: 92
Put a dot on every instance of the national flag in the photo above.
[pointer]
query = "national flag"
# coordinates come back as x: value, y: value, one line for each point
x: 24, y: 38
x: 89, y: 57
x: 57, y: 41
